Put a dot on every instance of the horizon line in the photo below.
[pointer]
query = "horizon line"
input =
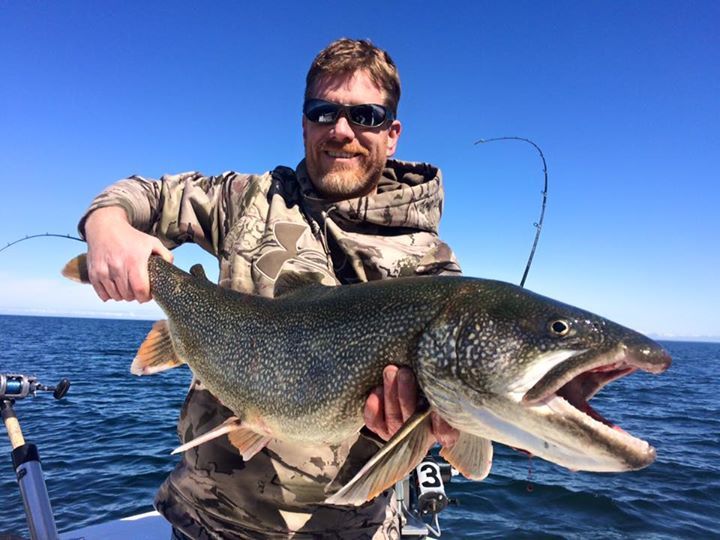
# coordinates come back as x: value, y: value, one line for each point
x: 131, y: 316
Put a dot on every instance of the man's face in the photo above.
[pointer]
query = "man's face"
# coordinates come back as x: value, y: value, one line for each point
x: 345, y: 160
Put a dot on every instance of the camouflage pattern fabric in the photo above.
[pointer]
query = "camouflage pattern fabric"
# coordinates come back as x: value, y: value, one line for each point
x: 260, y: 226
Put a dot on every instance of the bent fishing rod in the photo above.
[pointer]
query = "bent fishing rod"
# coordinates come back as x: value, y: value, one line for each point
x: 538, y: 225
x: 29, y: 237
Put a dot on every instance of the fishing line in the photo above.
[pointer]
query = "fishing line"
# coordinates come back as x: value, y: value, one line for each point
x: 539, y: 223
x: 529, y: 487
x: 67, y: 236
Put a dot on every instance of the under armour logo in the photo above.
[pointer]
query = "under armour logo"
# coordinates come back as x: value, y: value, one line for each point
x: 287, y: 235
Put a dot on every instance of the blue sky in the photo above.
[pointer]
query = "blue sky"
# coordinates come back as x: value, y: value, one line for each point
x: 621, y: 96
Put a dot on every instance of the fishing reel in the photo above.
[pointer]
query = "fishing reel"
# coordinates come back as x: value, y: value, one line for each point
x: 16, y: 386
x: 25, y: 456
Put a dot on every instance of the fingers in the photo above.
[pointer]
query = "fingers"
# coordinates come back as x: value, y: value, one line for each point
x: 139, y: 282
x: 160, y: 249
x: 400, y: 393
x: 393, y: 415
x: 100, y: 291
x: 117, y: 259
x: 389, y: 406
x: 407, y: 393
x: 112, y: 288
x: 374, y: 414
x: 445, y: 434
x: 110, y: 278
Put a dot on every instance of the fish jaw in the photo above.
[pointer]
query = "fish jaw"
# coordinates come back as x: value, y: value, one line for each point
x: 518, y: 368
x: 556, y: 432
x: 546, y: 413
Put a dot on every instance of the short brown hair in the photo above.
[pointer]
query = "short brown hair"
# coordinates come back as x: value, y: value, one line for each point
x: 346, y: 56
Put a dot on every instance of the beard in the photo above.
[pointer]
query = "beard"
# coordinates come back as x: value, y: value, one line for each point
x: 345, y: 180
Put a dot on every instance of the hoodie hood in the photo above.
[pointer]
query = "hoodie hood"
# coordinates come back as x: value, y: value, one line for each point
x: 391, y: 233
x: 409, y: 195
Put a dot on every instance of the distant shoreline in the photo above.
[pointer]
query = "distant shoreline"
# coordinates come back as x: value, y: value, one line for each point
x: 84, y: 315
x: 145, y: 317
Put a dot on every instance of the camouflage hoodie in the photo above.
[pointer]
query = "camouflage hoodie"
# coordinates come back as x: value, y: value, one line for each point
x: 260, y: 226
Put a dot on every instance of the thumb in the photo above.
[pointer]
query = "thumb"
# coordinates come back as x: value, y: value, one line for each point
x: 160, y: 249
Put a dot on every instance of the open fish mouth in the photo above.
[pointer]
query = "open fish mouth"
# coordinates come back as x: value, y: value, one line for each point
x: 567, y: 388
x: 584, y: 386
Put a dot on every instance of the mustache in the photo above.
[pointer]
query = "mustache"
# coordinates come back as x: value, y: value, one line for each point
x: 351, y: 148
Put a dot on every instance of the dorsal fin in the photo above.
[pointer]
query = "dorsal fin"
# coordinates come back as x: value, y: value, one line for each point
x: 289, y: 282
x: 198, y: 271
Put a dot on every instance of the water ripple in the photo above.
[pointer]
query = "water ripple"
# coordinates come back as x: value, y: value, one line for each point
x: 105, y: 448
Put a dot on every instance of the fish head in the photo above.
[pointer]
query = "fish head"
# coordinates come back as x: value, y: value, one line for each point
x: 513, y: 366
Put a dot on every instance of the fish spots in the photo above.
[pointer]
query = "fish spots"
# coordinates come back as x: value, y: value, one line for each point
x: 300, y: 366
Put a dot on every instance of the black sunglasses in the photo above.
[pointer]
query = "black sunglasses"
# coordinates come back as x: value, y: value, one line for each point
x: 366, y: 115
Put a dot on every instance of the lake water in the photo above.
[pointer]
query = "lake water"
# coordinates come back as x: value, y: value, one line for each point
x: 105, y: 447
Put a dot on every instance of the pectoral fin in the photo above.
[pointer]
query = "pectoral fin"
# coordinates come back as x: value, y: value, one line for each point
x: 248, y: 442
x: 470, y: 455
x: 156, y: 353
x: 231, y: 424
x: 392, y: 463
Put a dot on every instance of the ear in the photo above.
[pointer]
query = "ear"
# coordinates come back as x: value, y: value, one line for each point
x: 393, y: 136
x: 304, y: 129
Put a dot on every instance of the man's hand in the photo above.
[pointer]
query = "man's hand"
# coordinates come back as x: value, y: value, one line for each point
x: 390, y: 405
x: 118, y: 254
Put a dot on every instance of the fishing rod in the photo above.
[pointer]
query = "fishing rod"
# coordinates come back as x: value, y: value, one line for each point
x: 25, y: 456
x: 28, y: 237
x: 539, y: 223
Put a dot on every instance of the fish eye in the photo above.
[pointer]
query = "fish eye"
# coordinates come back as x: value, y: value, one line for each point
x: 559, y: 327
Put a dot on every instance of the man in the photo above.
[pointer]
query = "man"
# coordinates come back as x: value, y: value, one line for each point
x: 346, y: 214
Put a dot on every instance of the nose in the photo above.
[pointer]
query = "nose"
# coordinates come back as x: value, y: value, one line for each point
x: 342, y: 131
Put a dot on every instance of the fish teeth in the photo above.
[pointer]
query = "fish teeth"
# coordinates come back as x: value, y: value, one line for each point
x: 561, y: 406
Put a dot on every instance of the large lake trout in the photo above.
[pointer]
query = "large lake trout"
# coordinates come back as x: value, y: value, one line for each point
x: 496, y: 361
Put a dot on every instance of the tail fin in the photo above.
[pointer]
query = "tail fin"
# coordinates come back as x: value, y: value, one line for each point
x: 76, y: 269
